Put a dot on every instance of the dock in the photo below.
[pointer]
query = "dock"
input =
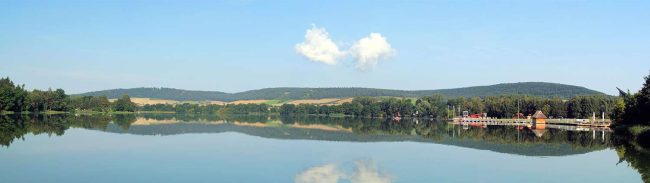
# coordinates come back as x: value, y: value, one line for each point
x: 515, y: 122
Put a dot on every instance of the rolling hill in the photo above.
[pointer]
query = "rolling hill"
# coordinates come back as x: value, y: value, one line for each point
x: 523, y: 88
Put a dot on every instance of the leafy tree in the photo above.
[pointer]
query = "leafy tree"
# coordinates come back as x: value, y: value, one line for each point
x: 92, y: 103
x: 12, y: 97
x: 38, y: 100
x: 58, y: 100
x: 287, y: 109
x: 124, y: 104
x: 637, y: 106
x: 643, y: 102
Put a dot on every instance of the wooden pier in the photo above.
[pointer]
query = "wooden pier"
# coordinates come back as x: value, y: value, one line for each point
x: 516, y: 122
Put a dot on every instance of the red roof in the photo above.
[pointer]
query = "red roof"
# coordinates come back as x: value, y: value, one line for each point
x: 476, y: 115
x: 539, y: 115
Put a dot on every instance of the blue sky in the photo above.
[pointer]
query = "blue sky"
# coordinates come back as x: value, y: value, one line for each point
x: 235, y: 46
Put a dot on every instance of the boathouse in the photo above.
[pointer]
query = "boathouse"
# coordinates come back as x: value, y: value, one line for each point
x: 539, y: 118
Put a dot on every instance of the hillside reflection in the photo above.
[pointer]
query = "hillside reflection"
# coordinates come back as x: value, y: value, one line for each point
x: 518, y: 140
x: 521, y: 140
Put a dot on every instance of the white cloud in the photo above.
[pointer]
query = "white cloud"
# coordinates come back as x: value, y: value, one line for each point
x: 318, y: 47
x: 368, y: 51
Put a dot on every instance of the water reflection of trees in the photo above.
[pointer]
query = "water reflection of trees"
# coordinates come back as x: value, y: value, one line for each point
x: 16, y: 126
x: 124, y: 120
x: 630, y: 151
x: 638, y: 158
x: 13, y: 127
x: 437, y: 130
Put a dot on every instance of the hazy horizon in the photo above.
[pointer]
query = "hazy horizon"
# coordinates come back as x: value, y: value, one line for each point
x: 237, y: 46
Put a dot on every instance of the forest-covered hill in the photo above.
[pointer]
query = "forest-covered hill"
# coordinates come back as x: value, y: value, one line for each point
x: 524, y: 88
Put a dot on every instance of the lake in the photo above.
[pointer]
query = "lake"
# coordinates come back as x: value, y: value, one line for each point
x: 190, y: 148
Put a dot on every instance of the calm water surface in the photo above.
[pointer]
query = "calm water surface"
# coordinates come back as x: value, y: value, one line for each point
x: 174, y: 148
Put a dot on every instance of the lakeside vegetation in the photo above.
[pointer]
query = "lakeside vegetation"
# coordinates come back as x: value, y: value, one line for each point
x: 637, y: 105
x: 15, y: 99
x: 633, y: 125
x: 438, y: 106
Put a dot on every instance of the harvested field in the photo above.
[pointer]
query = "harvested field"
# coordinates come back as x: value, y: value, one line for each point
x: 145, y: 101
x: 343, y: 101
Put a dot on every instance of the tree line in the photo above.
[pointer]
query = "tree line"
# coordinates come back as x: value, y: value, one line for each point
x: 15, y: 98
x: 508, y: 106
x: 437, y: 106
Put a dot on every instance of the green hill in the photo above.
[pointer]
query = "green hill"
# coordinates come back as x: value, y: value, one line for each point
x: 525, y: 88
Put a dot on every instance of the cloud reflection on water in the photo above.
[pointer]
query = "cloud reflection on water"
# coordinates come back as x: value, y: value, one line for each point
x: 364, y: 172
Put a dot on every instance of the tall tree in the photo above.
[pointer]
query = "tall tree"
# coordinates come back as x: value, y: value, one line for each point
x: 637, y: 106
x: 12, y: 97
x: 643, y: 101
x: 124, y: 104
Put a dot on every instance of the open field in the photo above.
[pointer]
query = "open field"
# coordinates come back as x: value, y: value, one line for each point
x: 150, y: 101
x: 274, y: 102
x: 343, y: 101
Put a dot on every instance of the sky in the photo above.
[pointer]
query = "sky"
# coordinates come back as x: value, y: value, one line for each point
x: 234, y: 46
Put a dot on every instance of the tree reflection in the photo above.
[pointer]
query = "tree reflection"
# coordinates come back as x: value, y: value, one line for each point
x: 630, y: 151
x: 523, y: 140
x: 16, y: 126
x: 124, y: 120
